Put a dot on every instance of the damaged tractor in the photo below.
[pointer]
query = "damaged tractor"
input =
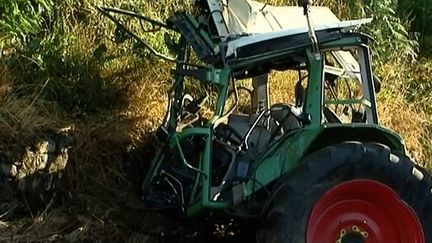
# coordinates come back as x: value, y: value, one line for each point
x: 320, y: 168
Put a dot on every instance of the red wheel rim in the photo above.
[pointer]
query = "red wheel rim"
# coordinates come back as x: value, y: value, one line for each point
x: 367, y: 209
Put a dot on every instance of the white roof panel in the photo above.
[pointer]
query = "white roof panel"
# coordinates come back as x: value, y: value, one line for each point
x: 254, y: 38
x: 251, y: 22
x: 251, y: 17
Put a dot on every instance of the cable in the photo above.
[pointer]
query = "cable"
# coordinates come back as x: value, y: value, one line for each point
x: 106, y: 12
x: 175, y: 192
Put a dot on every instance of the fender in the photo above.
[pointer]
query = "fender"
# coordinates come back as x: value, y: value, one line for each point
x: 333, y: 134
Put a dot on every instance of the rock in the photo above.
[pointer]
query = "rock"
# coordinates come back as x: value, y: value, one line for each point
x: 39, y: 171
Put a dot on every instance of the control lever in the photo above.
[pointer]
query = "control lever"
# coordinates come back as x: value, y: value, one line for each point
x: 305, y: 118
x: 312, y: 36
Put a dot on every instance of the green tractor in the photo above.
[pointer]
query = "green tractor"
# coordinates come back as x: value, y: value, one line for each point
x: 317, y: 169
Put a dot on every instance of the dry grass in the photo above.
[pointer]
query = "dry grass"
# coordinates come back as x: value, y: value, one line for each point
x: 6, y: 81
x: 410, y: 122
x: 282, y: 87
x: 101, y: 185
x: 410, y: 119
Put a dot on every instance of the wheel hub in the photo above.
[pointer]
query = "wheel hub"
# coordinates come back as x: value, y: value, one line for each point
x: 352, y: 235
x: 353, y: 238
x: 363, y: 211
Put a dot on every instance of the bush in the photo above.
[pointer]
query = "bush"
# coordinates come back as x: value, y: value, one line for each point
x: 420, y: 13
x: 20, y: 20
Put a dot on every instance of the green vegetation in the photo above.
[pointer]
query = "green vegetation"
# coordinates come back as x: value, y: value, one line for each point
x: 65, y: 67
x: 419, y: 13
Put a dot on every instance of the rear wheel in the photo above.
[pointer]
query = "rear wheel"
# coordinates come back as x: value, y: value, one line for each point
x: 351, y: 193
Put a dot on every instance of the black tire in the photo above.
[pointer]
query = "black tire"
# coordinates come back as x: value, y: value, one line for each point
x: 286, y: 215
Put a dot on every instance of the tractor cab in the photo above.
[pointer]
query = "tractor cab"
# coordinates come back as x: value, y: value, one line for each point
x: 259, y: 42
x: 219, y: 160
x: 227, y: 135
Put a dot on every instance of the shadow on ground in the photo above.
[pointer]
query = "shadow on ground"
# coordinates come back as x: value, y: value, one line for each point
x: 46, y: 196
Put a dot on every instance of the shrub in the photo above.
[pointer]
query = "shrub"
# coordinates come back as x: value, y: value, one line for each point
x: 20, y: 20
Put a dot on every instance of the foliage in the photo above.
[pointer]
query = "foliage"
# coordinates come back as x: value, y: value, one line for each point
x: 392, y: 38
x: 388, y: 30
x: 19, y: 20
x: 419, y: 85
x: 420, y: 13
